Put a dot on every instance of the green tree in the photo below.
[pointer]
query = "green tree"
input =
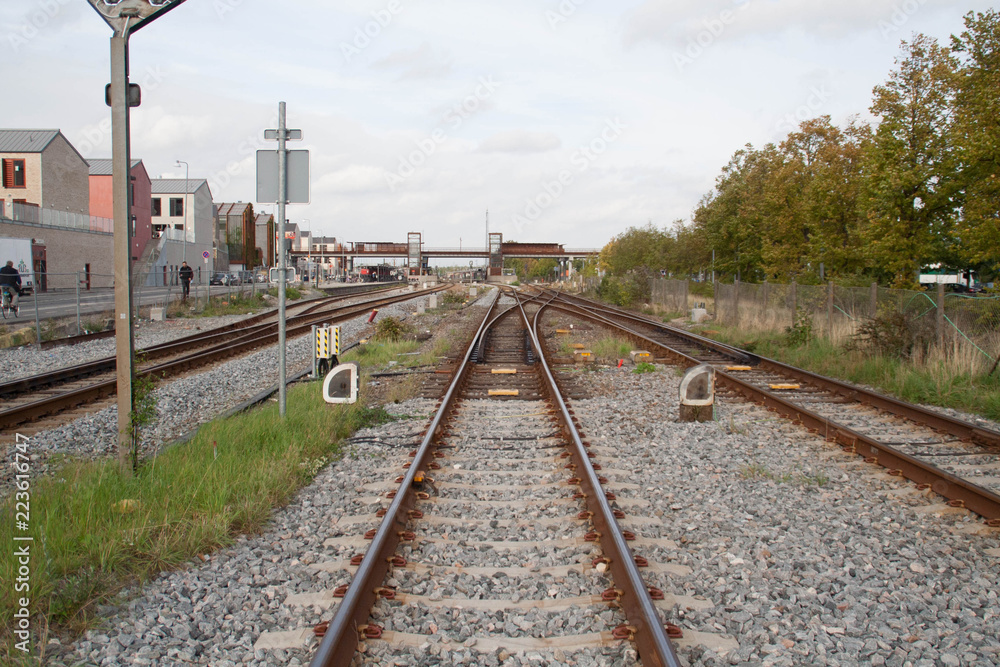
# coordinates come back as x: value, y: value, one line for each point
x: 909, y: 165
x: 976, y: 135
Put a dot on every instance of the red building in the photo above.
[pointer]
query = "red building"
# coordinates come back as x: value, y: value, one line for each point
x: 102, y: 200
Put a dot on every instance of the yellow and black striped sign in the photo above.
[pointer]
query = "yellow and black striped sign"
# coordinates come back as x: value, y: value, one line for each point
x: 327, y: 342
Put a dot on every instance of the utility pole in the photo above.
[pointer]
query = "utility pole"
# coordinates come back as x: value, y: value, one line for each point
x: 282, y: 263
x: 120, y: 95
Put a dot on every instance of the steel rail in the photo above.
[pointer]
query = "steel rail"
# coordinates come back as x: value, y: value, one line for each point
x: 55, y: 404
x: 98, y: 335
x: 980, y: 500
x: 340, y: 642
x: 241, y: 329
x: 650, y: 635
x: 944, y: 423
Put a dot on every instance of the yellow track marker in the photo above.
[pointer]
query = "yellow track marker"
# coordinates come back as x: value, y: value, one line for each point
x: 504, y: 392
x: 562, y: 331
x: 785, y: 386
x: 739, y: 368
x: 504, y: 371
x: 577, y: 346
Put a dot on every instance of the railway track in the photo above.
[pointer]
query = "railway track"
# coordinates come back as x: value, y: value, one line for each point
x: 954, y: 458
x: 501, y: 472
x: 31, y: 399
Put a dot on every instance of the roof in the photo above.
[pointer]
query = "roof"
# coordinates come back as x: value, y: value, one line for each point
x: 175, y: 186
x: 102, y: 166
x: 232, y: 209
x: 26, y: 141
x: 263, y: 218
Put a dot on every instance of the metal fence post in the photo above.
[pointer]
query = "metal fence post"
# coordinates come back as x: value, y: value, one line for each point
x: 684, y: 304
x: 764, y: 296
x: 78, y: 303
x: 38, y: 326
x: 829, y: 310
x: 940, y: 315
x: 873, y: 307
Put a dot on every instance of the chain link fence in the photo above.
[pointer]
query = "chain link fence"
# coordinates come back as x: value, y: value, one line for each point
x: 960, y: 329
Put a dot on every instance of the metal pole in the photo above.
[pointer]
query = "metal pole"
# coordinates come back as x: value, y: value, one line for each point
x: 77, y: 303
x: 38, y: 326
x: 282, y: 196
x: 186, y: 175
x: 124, y: 342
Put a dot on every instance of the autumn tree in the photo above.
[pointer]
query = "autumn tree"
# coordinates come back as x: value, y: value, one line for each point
x: 909, y: 168
x: 976, y: 135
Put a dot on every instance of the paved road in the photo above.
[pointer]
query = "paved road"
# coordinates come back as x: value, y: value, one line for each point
x: 63, y: 303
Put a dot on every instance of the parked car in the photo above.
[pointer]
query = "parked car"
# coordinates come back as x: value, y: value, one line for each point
x: 219, y: 279
x: 234, y: 279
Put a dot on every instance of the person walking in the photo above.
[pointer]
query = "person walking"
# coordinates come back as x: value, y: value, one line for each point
x: 186, y: 274
x: 10, y: 282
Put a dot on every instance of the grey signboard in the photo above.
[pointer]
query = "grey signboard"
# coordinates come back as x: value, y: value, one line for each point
x: 297, y: 177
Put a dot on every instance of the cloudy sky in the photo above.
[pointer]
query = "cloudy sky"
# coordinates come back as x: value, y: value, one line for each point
x: 570, y: 120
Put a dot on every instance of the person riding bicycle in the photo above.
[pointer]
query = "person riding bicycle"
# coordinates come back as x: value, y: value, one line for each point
x: 10, y: 283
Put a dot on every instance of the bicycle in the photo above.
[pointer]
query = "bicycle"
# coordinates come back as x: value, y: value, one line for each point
x: 5, y: 299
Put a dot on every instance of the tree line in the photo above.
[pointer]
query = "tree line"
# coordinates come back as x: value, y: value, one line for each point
x: 866, y: 202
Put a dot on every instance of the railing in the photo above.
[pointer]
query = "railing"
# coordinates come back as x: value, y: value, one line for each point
x: 47, y: 217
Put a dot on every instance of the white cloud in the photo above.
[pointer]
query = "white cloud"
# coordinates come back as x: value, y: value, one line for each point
x: 418, y: 63
x: 520, y: 141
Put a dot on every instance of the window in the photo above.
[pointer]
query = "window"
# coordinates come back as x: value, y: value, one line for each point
x: 156, y: 211
x: 176, y: 206
x: 13, y: 173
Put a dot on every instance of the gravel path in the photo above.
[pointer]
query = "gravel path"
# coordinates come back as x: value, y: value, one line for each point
x: 185, y: 403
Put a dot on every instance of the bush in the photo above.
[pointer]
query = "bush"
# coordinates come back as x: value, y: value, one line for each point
x: 623, y: 291
x: 452, y: 297
x: 801, y: 332
x: 894, y: 334
x: 390, y: 329
x: 643, y: 367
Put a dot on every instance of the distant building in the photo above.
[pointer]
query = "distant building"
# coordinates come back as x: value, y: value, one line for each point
x: 264, y: 238
x: 179, y: 236
x: 45, y: 197
x: 40, y: 169
x: 102, y: 202
x: 237, y: 225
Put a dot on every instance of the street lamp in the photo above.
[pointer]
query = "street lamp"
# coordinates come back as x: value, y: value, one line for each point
x: 186, y: 174
x: 124, y: 17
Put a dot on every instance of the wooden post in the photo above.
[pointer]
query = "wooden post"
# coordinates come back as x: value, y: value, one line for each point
x: 795, y: 301
x: 715, y: 298
x: 736, y: 302
x: 873, y: 307
x: 829, y: 310
x: 940, y: 315
x: 764, y: 296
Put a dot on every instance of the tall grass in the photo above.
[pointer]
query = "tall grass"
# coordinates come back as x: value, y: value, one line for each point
x: 939, y: 378
x: 96, y: 531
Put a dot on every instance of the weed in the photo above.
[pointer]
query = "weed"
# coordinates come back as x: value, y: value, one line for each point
x: 291, y: 293
x: 611, y: 348
x: 894, y: 334
x: 643, y: 367
x: 391, y: 329
x: 452, y: 298
x: 800, y: 333
x: 759, y: 471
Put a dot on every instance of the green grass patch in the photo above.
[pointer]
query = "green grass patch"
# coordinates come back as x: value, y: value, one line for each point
x: 644, y: 367
x: 96, y: 531
x: 931, y: 383
x: 378, y: 354
x: 612, y: 348
x: 229, y: 304
x: 291, y: 293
